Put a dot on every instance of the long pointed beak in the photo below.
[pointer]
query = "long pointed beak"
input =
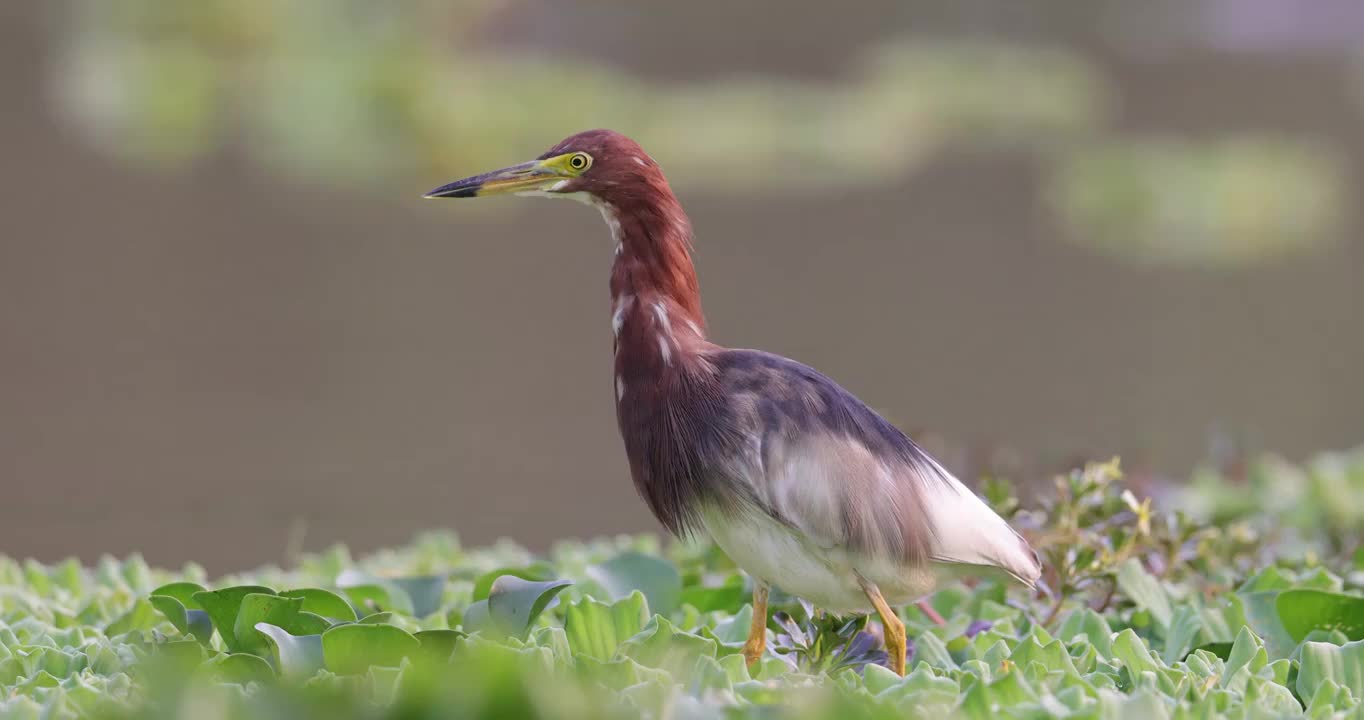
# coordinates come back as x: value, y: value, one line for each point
x: 527, y: 176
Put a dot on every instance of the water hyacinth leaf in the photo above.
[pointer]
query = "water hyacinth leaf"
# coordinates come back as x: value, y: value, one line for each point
x: 379, y: 618
x: 1341, y: 664
x: 240, y: 668
x: 661, y: 645
x: 627, y: 572
x: 369, y: 593
x: 514, y: 604
x: 352, y: 649
x: 1262, y: 616
x: 296, y: 656
x: 324, y: 603
x: 733, y: 632
x: 222, y: 606
x: 188, y: 622
x: 1146, y: 591
x: 258, y: 608
x: 424, y: 592
x: 183, y: 592
x: 1092, y: 627
x: 534, y: 572
x: 438, y: 644
x: 708, y: 599
x: 142, y: 616
x: 1185, y: 626
x: 596, y: 629
x: 1302, y: 611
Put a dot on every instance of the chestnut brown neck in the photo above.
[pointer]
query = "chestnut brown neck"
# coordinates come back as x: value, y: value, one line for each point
x: 655, y: 297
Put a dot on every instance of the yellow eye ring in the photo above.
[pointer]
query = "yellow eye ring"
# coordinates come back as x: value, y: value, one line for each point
x: 580, y: 161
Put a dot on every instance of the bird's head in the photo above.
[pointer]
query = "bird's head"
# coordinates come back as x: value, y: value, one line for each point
x: 597, y: 166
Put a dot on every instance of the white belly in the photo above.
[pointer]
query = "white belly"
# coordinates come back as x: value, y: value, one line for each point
x: 827, y: 577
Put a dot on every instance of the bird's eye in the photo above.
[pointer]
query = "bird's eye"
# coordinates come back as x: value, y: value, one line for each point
x: 579, y: 161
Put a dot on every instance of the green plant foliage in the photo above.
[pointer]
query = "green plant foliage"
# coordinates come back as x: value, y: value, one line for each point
x: 1150, y: 614
x: 352, y: 649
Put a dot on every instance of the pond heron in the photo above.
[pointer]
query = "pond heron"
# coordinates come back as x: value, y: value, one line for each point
x: 799, y: 482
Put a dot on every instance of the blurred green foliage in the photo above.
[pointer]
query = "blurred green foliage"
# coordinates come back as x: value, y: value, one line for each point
x: 359, y: 92
x: 1148, y: 614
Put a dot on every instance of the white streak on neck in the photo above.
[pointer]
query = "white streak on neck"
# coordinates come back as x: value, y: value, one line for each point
x: 618, y: 315
x: 664, y: 351
x: 620, y: 388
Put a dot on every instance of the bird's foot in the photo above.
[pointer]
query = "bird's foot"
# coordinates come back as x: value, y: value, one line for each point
x: 753, y: 652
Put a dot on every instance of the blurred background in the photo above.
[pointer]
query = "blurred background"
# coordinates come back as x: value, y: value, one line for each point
x: 1030, y: 232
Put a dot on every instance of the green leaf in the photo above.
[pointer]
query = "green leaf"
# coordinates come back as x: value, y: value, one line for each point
x: 1302, y: 611
x: 259, y: 608
x: 240, y: 668
x: 1182, y: 634
x: 657, y: 578
x: 222, y: 606
x: 142, y: 616
x: 352, y: 649
x: 1146, y: 591
x: 1090, y: 626
x: 1247, y: 657
x: 708, y: 599
x: 1341, y: 664
x: 1262, y: 616
x: 424, y: 591
x: 370, y: 593
x: 438, y: 644
x: 323, y: 602
x: 662, y: 645
x: 188, y: 622
x: 297, y: 656
x: 596, y: 629
x: 535, y: 572
x: 183, y: 592
x: 512, y: 606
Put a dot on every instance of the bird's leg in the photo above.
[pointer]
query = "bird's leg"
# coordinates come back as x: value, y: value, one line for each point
x: 757, y: 632
x: 894, y: 628
x: 932, y: 614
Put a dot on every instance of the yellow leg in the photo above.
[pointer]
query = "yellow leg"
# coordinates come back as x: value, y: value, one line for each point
x: 757, y: 632
x: 895, y: 630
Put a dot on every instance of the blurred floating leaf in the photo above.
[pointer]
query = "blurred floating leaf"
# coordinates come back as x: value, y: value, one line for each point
x: 657, y: 578
x: 512, y: 605
x: 352, y: 649
x: 726, y: 597
x: 322, y: 602
x: 438, y: 644
x: 222, y: 607
x: 240, y: 668
x: 1340, y: 664
x: 1302, y: 611
x: 418, y: 596
x: 425, y: 591
x: 188, y: 622
x: 535, y: 572
x: 182, y: 592
x: 297, y: 656
x: 596, y: 629
x: 142, y: 616
x: 661, y: 645
x: 282, y: 612
x: 1262, y: 616
x: 379, y: 618
x: 402, y: 99
x: 1231, y: 202
x: 1146, y: 591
